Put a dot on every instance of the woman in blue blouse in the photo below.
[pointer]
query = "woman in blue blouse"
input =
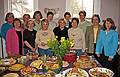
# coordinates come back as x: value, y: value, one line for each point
x: 107, y: 44
x: 8, y: 25
x: 4, y: 28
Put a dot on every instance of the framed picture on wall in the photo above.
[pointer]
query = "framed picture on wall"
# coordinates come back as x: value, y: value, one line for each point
x: 56, y: 12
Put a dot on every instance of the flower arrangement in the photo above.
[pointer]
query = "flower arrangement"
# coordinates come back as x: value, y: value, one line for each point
x: 60, y: 48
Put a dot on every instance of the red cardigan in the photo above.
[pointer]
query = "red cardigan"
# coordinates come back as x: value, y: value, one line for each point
x: 12, y: 42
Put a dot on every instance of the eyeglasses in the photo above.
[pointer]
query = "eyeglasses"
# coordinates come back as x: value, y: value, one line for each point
x: 81, y: 15
x: 10, y: 16
x: 95, y: 19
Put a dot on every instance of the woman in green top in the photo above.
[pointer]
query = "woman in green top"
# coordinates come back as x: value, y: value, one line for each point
x: 37, y: 16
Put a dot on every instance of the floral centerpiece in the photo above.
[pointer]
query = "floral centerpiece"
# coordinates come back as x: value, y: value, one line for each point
x: 60, y: 48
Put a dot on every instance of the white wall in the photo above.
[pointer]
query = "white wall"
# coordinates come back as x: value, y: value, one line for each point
x: 1, y: 11
x: 110, y: 8
x: 97, y: 6
x: 61, y: 4
x: 119, y: 20
x: 1, y: 21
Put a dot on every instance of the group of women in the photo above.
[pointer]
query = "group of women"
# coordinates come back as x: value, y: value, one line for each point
x: 90, y: 37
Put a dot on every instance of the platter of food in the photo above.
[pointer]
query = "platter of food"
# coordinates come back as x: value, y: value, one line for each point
x: 46, y: 74
x: 100, y: 72
x: 85, y: 62
x: 32, y: 55
x: 5, y: 62
x: 52, y: 66
x: 16, y: 67
x: 48, y: 65
x: 2, y: 69
x: 37, y: 64
x: 73, y: 72
x: 39, y: 75
x: 28, y: 70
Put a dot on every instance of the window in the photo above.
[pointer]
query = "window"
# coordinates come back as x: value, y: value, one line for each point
x: 74, y: 6
x: 20, y: 7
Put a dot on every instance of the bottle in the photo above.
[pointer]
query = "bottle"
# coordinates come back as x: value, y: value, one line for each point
x: 22, y: 61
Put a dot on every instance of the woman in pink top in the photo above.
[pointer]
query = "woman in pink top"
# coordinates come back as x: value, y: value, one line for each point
x: 14, y: 39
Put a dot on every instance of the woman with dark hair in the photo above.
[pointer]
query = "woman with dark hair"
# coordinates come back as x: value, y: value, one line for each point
x: 83, y: 22
x: 106, y: 46
x: 29, y: 36
x: 37, y: 16
x: 52, y: 23
x: 78, y: 37
x: 26, y: 18
x: 8, y: 25
x: 67, y: 18
x: 4, y: 28
x: 14, y: 39
x: 61, y: 30
x: 91, y: 34
x: 113, y: 27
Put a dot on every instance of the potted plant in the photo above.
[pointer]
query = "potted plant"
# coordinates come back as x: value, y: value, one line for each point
x: 60, y: 48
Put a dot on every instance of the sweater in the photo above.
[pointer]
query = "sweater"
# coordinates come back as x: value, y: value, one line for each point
x: 12, y: 42
x: 42, y: 36
x: 108, y: 41
x: 5, y: 27
x: 78, y: 38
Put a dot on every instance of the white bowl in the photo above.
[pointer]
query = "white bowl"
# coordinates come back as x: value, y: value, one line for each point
x: 102, y: 70
x: 62, y: 74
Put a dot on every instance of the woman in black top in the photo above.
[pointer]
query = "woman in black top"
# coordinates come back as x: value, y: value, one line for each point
x: 29, y: 36
x: 61, y: 30
x: 20, y: 41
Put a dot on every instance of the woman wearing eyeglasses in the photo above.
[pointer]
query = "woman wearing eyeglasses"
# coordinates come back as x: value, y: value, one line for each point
x: 8, y: 25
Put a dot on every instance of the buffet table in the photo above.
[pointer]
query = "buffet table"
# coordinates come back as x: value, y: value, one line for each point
x: 29, y: 62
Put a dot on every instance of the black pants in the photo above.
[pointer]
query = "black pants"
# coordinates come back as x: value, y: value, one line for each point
x: 112, y: 65
x: 118, y: 65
